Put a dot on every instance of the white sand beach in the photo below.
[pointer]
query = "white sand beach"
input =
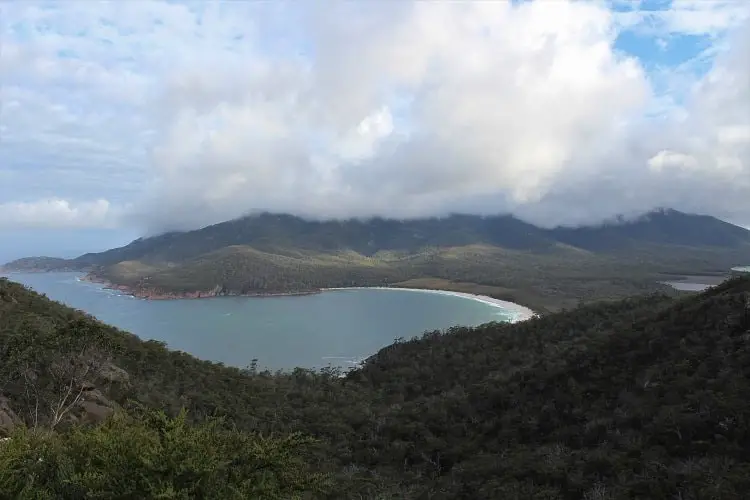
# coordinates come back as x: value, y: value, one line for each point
x: 517, y: 311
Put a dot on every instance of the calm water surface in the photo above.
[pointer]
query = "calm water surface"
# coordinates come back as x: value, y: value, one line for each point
x: 337, y: 328
x: 687, y: 287
x: 695, y: 283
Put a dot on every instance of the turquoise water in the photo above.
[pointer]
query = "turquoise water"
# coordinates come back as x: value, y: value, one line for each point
x: 336, y: 328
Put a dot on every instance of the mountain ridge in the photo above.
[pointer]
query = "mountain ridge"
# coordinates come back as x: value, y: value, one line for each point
x: 652, y: 227
x: 545, y: 269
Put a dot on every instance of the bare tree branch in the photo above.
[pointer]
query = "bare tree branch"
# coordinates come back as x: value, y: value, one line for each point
x: 29, y: 383
x: 63, y: 406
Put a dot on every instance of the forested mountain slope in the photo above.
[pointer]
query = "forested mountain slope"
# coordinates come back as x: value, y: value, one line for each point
x: 545, y: 269
x: 640, y: 398
x: 280, y: 233
x: 661, y: 227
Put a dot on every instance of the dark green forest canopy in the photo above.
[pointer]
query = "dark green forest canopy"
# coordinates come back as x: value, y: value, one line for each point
x: 638, y: 398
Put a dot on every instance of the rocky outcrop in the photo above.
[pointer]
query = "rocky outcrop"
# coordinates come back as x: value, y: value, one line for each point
x: 113, y: 373
x: 95, y: 406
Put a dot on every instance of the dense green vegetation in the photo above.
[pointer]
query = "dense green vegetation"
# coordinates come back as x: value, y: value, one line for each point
x: 639, y: 398
x: 545, y: 269
x: 543, y: 282
x: 154, y: 456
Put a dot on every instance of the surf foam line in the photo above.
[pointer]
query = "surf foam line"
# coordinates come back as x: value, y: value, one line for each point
x: 517, y: 312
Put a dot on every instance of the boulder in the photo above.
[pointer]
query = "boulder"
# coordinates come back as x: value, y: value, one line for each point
x: 113, y: 373
x: 95, y: 406
x: 94, y: 412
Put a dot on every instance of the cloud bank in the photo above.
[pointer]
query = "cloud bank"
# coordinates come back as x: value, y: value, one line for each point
x: 171, y: 116
x: 54, y: 213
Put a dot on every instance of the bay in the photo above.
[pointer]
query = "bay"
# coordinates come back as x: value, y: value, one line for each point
x: 693, y: 283
x: 687, y: 287
x: 336, y: 328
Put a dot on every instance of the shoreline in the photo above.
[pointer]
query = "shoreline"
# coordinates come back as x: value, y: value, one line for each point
x: 216, y: 292
x: 517, y: 312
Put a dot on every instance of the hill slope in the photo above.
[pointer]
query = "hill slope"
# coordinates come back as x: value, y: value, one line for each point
x: 642, y: 398
x: 661, y: 227
x: 545, y: 269
x: 278, y: 232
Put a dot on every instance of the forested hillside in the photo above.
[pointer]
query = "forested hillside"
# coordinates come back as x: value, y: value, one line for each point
x: 640, y: 398
x: 289, y: 235
x: 500, y: 256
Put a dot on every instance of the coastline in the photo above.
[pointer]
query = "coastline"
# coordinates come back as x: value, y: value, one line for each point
x: 200, y: 294
x: 518, y: 312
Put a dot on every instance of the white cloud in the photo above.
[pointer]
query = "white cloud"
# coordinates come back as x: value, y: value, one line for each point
x: 54, y: 213
x: 669, y: 159
x: 500, y: 100
x: 698, y: 17
x: 199, y: 114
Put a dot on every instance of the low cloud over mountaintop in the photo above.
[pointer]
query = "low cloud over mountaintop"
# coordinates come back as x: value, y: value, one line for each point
x: 166, y: 116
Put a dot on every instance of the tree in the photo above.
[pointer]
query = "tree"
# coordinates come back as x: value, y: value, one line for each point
x: 51, y: 368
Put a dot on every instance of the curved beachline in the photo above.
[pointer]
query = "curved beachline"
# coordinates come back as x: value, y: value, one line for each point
x: 517, y: 312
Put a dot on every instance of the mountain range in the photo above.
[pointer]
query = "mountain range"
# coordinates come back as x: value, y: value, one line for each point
x: 279, y: 254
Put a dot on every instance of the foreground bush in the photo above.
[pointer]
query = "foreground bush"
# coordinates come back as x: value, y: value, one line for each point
x: 154, y: 456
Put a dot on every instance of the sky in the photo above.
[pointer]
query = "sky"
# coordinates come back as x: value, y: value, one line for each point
x: 125, y: 119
